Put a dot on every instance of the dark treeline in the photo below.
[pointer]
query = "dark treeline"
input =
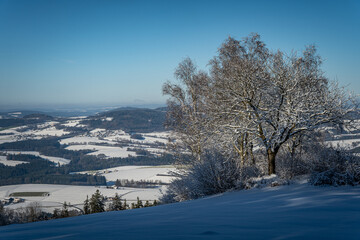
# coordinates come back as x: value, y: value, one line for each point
x: 86, y: 162
x: 39, y: 170
x: 138, y: 184
x: 26, y: 120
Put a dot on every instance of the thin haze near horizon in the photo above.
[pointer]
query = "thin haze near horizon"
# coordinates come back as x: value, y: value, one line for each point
x: 121, y: 52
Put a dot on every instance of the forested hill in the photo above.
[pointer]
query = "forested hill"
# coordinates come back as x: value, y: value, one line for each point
x: 19, y: 120
x: 129, y: 120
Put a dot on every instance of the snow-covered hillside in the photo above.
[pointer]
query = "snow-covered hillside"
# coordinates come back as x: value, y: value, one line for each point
x: 287, y: 212
x: 55, y: 160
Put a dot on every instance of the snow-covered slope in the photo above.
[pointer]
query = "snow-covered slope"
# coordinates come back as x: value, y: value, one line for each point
x: 287, y: 212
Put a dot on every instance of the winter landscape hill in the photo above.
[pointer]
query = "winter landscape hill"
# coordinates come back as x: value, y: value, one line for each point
x: 298, y: 211
x: 126, y: 143
x: 111, y: 145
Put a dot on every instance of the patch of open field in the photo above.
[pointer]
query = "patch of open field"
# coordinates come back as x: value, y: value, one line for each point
x: 108, y: 151
x: 11, y: 163
x: 55, y: 160
x: 137, y: 173
x: 75, y: 195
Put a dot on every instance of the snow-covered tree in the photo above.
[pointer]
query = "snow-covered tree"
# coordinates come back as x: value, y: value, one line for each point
x: 65, y: 211
x: 2, y: 215
x: 186, y: 107
x: 270, y: 96
x: 97, y: 202
x: 139, y: 203
x: 116, y: 204
x: 253, y: 97
x: 87, y: 205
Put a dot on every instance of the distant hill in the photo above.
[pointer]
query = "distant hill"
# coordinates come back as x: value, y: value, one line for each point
x: 19, y: 119
x: 38, y: 116
x: 129, y: 120
x: 18, y: 114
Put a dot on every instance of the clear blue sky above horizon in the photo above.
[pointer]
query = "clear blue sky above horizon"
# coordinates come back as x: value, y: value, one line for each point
x: 121, y: 52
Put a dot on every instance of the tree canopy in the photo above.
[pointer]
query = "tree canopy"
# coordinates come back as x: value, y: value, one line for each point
x: 253, y: 98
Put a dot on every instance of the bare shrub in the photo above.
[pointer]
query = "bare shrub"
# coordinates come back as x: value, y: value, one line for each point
x: 214, y: 174
x: 335, y: 167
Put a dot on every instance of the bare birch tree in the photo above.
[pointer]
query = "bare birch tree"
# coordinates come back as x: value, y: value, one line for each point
x: 186, y: 115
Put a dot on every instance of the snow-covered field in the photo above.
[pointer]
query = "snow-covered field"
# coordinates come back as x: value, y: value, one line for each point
x: 77, y: 194
x: 73, y: 194
x: 75, y: 122
x: 136, y: 173
x: 50, y: 131
x: 43, y: 130
x: 93, y: 140
x: 83, y: 140
x: 347, y: 140
x: 12, y: 163
x: 287, y: 212
x: 108, y: 151
x: 345, y: 144
x: 49, y: 158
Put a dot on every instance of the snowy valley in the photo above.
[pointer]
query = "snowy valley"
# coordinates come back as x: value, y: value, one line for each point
x: 76, y: 138
x: 297, y: 211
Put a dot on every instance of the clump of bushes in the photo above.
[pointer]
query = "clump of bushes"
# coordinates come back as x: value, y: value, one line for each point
x: 213, y: 174
x: 336, y: 167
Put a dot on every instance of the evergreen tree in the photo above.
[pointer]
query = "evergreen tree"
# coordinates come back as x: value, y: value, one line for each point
x: 56, y: 213
x: 139, y: 203
x: 97, y: 202
x: 87, y: 205
x: 65, y: 211
x: 118, y: 183
x: 155, y: 203
x: 116, y: 204
x: 125, y: 206
x: 2, y: 215
x: 147, y: 204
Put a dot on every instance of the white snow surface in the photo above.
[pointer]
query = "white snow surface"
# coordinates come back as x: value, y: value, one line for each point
x: 136, y: 173
x: 93, y: 140
x: 73, y: 194
x: 346, y: 143
x: 49, y: 158
x: 43, y: 130
x: 108, y: 151
x: 72, y: 123
x: 11, y: 163
x: 286, y: 212
x: 50, y: 131
x: 82, y: 140
x: 7, y: 138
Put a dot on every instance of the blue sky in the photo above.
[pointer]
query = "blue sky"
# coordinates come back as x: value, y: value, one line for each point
x: 121, y: 52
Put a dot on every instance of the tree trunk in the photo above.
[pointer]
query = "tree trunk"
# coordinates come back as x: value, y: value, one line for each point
x: 252, y: 155
x: 271, y: 161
